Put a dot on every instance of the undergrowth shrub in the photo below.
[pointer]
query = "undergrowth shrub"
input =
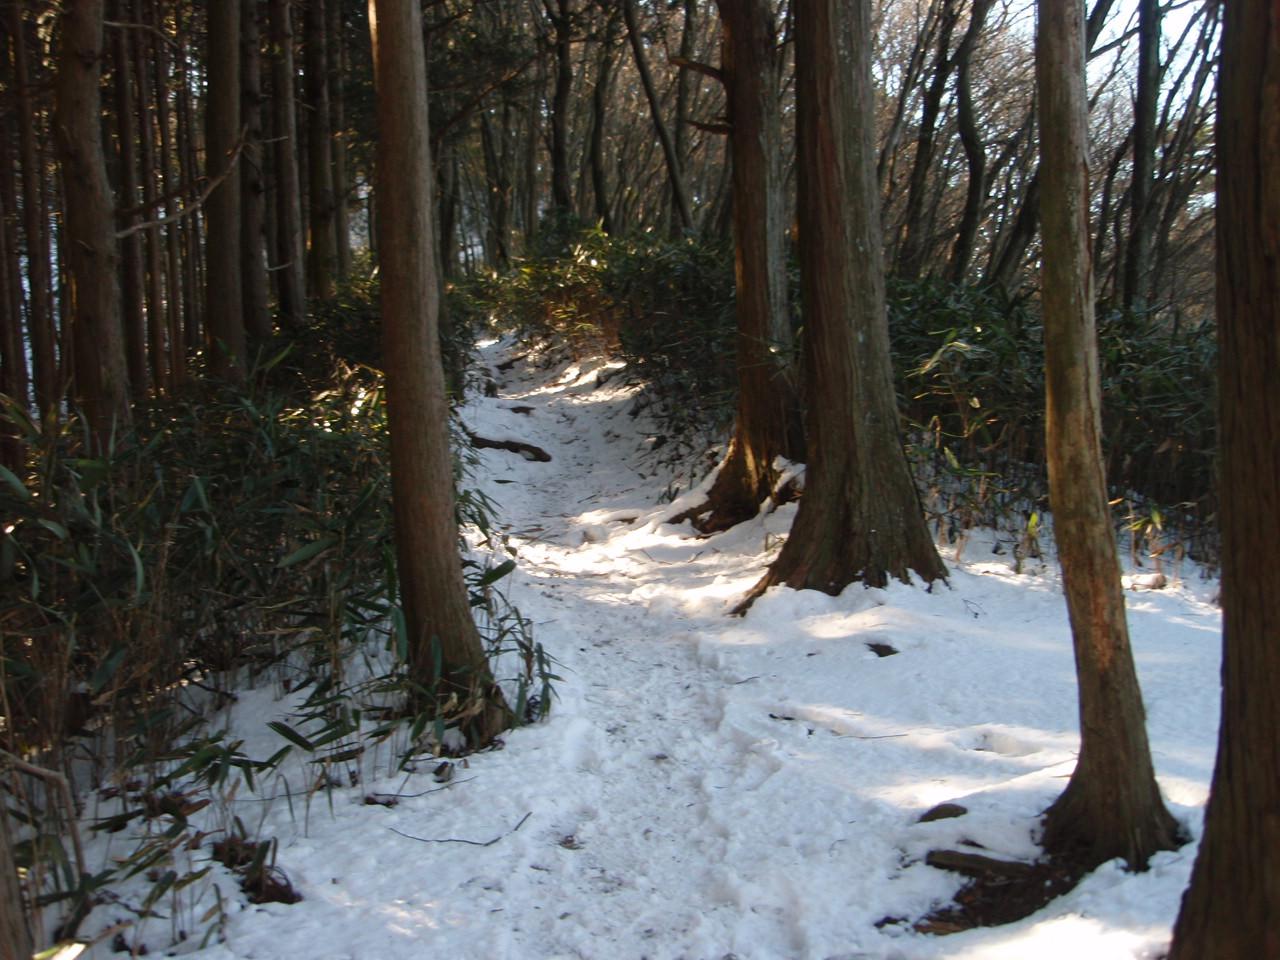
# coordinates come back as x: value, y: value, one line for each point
x: 970, y: 368
x: 233, y: 534
x: 665, y: 306
x: 969, y: 365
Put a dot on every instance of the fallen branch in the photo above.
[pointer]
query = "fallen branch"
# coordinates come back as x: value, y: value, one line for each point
x: 470, y: 843
x: 526, y: 450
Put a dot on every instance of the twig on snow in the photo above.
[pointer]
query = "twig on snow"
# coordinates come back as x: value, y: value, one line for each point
x: 470, y: 843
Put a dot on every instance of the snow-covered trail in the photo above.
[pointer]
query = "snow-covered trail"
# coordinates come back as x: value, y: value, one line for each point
x: 643, y: 755
x: 711, y: 787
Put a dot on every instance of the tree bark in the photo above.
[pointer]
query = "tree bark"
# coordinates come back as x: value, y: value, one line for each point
x: 322, y: 250
x: 253, y: 188
x: 860, y: 516
x: 1112, y: 805
x: 291, y: 271
x: 92, y: 252
x: 224, y: 296
x: 766, y: 423
x: 674, y: 174
x: 432, y: 590
x: 1229, y: 912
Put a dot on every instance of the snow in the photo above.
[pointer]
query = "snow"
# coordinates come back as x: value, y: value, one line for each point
x: 710, y: 786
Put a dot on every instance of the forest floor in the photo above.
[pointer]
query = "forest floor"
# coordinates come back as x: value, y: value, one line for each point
x: 709, y: 787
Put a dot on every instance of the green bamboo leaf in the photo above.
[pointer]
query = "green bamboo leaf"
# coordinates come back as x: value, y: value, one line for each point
x: 106, y: 670
x: 497, y: 573
x: 9, y: 477
x: 292, y: 735
x: 304, y: 553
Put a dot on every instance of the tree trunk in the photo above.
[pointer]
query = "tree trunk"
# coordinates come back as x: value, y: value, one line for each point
x: 1229, y: 912
x: 131, y: 275
x: 92, y: 253
x: 224, y: 296
x: 432, y: 590
x: 1112, y: 805
x: 40, y: 323
x: 1137, y: 262
x: 680, y: 135
x: 177, y: 319
x: 190, y: 229
x: 562, y: 24
x: 971, y: 140
x: 766, y: 423
x: 860, y: 516
x: 257, y: 318
x: 157, y: 356
x: 14, y: 377
x: 293, y: 304
x: 1003, y: 267
x: 322, y: 252
x: 599, y: 117
x: 498, y: 235
x: 336, y: 55
x: 674, y: 173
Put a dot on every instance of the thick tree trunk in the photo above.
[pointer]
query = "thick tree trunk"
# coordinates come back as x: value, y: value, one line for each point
x: 674, y: 174
x: 767, y: 419
x: 1230, y: 910
x: 432, y: 590
x: 291, y: 271
x: 40, y: 324
x: 1112, y: 805
x: 257, y: 318
x: 322, y: 251
x: 860, y: 516
x: 92, y: 253
x: 224, y: 291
